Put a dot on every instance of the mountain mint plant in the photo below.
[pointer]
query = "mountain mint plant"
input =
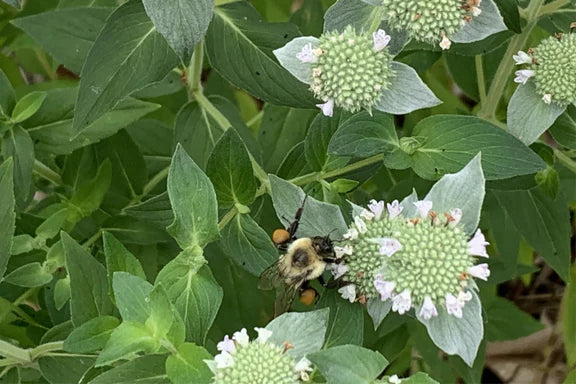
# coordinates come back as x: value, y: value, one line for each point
x: 285, y: 191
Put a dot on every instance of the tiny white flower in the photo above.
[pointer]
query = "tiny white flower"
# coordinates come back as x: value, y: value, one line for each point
x: 477, y: 245
x: 522, y: 58
x: 327, y: 108
x: 343, y: 251
x: 338, y: 270
x: 394, y: 209
x: 424, y: 207
x: 547, y: 98
x: 224, y: 360
x: 456, y: 215
x: 445, y: 43
x: 263, y: 334
x: 307, y: 54
x: 454, y: 306
x: 428, y: 309
x: 377, y: 207
x: 352, y: 234
x: 348, y: 292
x: 226, y: 345
x: 360, y: 224
x: 380, y: 39
x: 401, y: 303
x: 303, y: 365
x: 480, y: 271
x: 241, y: 337
x: 367, y: 215
x: 476, y: 11
x: 394, y: 379
x: 464, y: 296
x: 384, y: 288
x: 523, y: 75
x: 388, y: 245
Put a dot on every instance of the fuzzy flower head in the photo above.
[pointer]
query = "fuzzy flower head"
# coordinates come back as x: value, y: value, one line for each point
x: 256, y: 362
x: 552, y: 68
x: 349, y: 69
x: 423, y: 262
x: 431, y: 21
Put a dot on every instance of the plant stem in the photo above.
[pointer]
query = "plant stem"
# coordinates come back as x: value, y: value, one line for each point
x: 553, y: 6
x: 195, y: 70
x: 316, y: 176
x: 227, y: 218
x: 45, y: 172
x: 43, y: 349
x: 154, y: 181
x: 207, y: 105
x: 15, y: 353
x: 480, y: 78
x: 565, y: 160
x: 488, y: 110
x: 256, y: 119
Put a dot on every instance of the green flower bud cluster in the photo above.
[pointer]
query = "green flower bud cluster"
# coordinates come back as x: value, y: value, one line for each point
x: 554, y: 66
x: 350, y: 71
x: 430, y: 21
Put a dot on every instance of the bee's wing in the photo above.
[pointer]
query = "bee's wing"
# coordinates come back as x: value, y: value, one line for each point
x: 271, y: 277
x: 284, y: 297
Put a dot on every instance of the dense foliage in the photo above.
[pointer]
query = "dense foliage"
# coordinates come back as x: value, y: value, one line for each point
x: 150, y: 148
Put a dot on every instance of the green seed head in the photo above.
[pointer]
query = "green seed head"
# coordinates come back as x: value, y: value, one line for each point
x: 350, y: 71
x: 554, y: 67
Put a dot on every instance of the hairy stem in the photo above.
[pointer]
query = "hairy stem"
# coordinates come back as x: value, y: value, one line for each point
x: 553, y: 6
x: 45, y: 172
x: 195, y: 70
x: 480, y: 78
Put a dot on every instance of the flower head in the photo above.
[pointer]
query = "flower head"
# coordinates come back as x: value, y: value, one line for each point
x: 257, y: 361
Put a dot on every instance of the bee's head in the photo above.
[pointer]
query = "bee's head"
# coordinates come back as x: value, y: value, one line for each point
x: 323, y: 246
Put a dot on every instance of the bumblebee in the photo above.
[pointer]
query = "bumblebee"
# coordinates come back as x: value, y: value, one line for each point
x: 304, y: 259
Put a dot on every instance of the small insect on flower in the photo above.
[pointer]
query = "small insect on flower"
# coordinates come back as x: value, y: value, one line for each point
x: 305, y: 259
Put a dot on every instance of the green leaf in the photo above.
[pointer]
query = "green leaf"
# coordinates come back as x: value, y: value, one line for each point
x: 230, y: 170
x: 61, y: 293
x: 52, y: 225
x: 363, y: 135
x: 509, y: 11
x: 347, y: 364
x: 346, y: 321
x: 543, y: 222
x: 88, y: 283
x: 161, y: 316
x: 88, y: 3
x: 305, y: 331
x: 456, y: 336
x: 18, y: 145
x: 132, y: 297
x: 27, y: 106
x: 147, y: 369
x: 156, y: 210
x: 564, y: 128
x: 119, y: 259
x: 238, y: 31
x: 7, y: 97
x: 182, y: 23
x: 7, y: 205
x: 504, y: 321
x: 193, y: 291
x: 465, y: 190
x: 66, y: 34
x: 528, y: 115
x: 487, y: 23
x: 419, y: 378
x: 189, y: 366
x: 318, y: 218
x: 129, y: 338
x: 64, y: 369
x: 316, y: 145
x: 378, y: 310
x: 406, y: 93
x: 287, y: 56
x: 569, y: 320
x: 92, y: 335
x: 452, y: 141
x: 248, y: 244
x: 127, y: 55
x: 29, y: 275
x: 193, y: 202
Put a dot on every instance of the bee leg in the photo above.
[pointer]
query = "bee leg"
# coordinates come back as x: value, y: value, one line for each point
x: 338, y: 283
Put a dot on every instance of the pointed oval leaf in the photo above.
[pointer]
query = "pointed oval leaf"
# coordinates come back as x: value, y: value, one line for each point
x: 287, y: 57
x: 487, y: 23
x: 7, y: 205
x: 92, y: 335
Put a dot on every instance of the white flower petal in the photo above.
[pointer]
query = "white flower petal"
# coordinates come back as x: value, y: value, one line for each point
x: 445, y: 43
x: 360, y: 224
x: 306, y: 54
x: 380, y: 39
x: 477, y: 245
x: 402, y: 303
x: 476, y: 11
x: 480, y: 271
x: 263, y: 334
x: 338, y: 270
x: 226, y: 345
x: 352, y: 234
x: 522, y: 58
x: 547, y: 98
x: 394, y: 209
x: 384, y: 288
x: 224, y: 360
x: 327, y: 108
x: 424, y: 207
x: 367, y: 215
x: 464, y: 296
x: 303, y: 365
x: 394, y: 379
x: 343, y: 251
x: 348, y: 292
x: 523, y: 75
x: 428, y: 309
x: 241, y: 337
x: 377, y: 207
x: 456, y: 215
x: 388, y: 245
x: 454, y: 306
